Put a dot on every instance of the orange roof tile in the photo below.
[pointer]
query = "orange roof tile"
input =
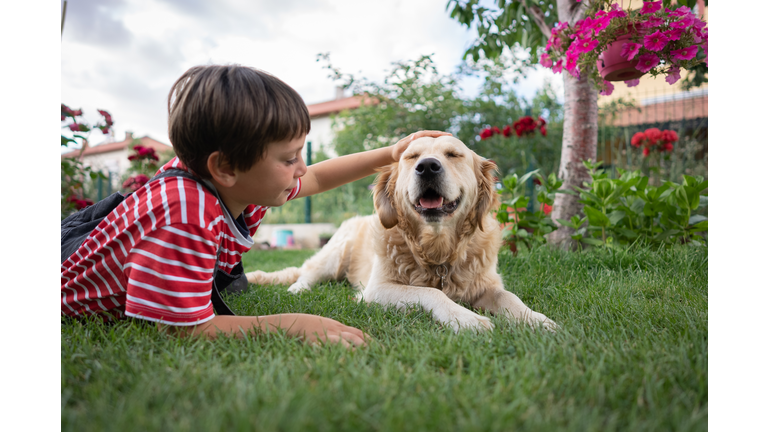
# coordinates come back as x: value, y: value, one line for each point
x: 337, y: 105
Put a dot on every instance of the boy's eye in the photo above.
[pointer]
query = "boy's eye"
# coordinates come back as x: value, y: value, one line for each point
x: 293, y: 161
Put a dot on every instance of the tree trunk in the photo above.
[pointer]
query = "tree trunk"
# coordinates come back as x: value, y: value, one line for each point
x: 579, y: 136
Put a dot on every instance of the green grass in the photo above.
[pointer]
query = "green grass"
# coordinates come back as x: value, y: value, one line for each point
x: 631, y: 355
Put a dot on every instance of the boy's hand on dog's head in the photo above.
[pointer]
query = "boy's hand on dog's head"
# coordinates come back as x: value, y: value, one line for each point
x: 402, y: 145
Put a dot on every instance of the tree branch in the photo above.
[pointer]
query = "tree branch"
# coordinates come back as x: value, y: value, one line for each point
x: 538, y: 17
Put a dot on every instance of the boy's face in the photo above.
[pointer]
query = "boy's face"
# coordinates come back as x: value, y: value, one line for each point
x: 271, y: 179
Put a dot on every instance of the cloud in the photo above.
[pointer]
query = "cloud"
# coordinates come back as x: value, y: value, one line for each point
x: 124, y: 55
x: 93, y: 22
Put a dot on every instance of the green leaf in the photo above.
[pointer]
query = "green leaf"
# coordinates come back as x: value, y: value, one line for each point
x: 627, y: 233
x: 637, y: 206
x: 700, y: 227
x: 696, y: 219
x: 596, y: 217
x: 526, y: 176
x: 593, y: 242
x: 681, y: 197
x: 616, y: 216
x: 668, y: 233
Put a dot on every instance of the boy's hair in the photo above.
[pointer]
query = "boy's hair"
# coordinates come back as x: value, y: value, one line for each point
x: 234, y: 109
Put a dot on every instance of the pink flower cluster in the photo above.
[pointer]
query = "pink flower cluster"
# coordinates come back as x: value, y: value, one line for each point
x: 143, y: 153
x: 654, y: 139
x: 665, y: 40
x: 82, y: 127
x: 134, y: 183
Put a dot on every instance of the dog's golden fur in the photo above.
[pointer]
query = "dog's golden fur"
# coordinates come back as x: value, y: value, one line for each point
x: 397, y: 256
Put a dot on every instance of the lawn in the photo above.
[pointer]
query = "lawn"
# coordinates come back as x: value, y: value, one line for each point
x: 631, y: 354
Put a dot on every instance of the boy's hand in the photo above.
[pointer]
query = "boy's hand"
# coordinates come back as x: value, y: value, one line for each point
x: 402, y: 145
x: 316, y: 329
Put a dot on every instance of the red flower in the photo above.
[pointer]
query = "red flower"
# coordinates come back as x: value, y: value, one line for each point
x: 542, y: 122
x: 107, y: 117
x: 546, y: 208
x: 78, y: 127
x: 496, y: 130
x: 669, y: 136
x: 486, y: 133
x: 79, y: 203
x: 104, y: 129
x: 507, y: 131
x: 135, y: 182
x: 526, y: 125
x: 543, y: 131
x: 653, y: 135
x: 536, y: 181
x: 637, y: 139
x: 668, y: 147
x: 646, y: 151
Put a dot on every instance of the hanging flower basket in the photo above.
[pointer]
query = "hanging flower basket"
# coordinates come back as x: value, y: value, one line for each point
x: 612, y: 44
x: 613, y: 67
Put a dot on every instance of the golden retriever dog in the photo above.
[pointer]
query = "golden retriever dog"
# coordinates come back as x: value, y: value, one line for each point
x: 432, y: 241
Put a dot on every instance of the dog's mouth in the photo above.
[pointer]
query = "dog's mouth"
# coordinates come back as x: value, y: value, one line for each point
x: 431, y: 203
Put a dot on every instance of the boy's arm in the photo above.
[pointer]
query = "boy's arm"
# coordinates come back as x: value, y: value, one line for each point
x: 310, y: 328
x: 339, y: 171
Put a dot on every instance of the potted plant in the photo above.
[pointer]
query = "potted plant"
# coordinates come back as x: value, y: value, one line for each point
x: 612, y: 44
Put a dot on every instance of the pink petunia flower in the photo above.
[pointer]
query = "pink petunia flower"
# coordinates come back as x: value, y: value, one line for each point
x: 632, y: 83
x: 558, y: 66
x: 650, y: 7
x: 545, y: 61
x: 608, y: 88
x: 673, y: 34
x: 584, y: 45
x: 673, y: 75
x: 646, y: 62
x: 652, y: 22
x: 629, y: 50
x: 685, y: 53
x: 656, y: 41
x: 600, y: 24
x: 681, y: 11
x: 683, y: 23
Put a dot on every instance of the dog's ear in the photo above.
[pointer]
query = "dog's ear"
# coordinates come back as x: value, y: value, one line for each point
x: 487, y: 197
x: 384, y: 195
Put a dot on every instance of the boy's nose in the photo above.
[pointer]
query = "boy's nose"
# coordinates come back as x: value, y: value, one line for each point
x: 302, y: 168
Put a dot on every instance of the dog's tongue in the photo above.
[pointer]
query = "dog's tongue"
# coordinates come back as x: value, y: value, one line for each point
x: 431, y: 202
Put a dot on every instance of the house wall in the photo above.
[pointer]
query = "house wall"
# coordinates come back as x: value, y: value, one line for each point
x: 321, y: 134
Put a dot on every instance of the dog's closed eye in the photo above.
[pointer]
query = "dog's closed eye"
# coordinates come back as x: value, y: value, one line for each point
x: 452, y: 154
x: 412, y: 156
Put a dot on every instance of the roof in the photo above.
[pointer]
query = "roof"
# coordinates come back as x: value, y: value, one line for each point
x: 118, y: 146
x: 331, y: 107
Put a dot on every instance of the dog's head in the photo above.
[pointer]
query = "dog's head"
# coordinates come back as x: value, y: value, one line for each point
x: 437, y: 181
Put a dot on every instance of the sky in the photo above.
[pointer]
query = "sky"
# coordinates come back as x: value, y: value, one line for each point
x: 123, y: 55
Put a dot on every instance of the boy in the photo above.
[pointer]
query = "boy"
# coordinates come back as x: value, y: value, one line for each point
x: 241, y: 132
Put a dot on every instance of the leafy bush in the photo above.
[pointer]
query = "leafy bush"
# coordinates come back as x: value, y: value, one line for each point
x: 619, y: 211
x: 519, y: 225
x: 628, y: 209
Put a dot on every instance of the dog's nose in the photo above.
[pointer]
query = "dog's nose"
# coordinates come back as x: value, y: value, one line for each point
x: 429, y: 167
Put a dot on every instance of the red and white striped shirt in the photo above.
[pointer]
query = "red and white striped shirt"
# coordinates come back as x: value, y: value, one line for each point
x: 154, y: 256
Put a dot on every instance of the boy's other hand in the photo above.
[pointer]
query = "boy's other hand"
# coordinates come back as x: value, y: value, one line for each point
x: 400, y: 146
x: 320, y: 330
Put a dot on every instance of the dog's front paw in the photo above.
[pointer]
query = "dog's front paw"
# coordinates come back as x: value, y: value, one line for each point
x: 299, y: 286
x: 466, y: 319
x: 536, y: 319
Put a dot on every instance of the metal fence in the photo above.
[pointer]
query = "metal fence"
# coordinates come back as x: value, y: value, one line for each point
x: 683, y: 112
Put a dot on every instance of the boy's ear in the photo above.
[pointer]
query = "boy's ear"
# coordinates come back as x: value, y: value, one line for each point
x: 384, y: 195
x: 220, y: 169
